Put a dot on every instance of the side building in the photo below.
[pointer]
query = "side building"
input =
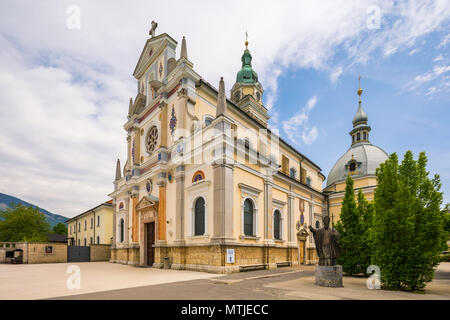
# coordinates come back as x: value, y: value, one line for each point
x: 206, y: 185
x: 94, y: 226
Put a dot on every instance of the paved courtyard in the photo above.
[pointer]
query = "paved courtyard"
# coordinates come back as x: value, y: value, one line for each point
x: 285, y: 283
x: 102, y: 280
x: 40, y: 281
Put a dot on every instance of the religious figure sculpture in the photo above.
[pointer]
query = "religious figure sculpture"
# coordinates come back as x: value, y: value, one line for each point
x: 327, y: 243
x: 153, y: 28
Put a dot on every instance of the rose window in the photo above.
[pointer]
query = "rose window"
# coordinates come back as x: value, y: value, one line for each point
x: 152, y: 139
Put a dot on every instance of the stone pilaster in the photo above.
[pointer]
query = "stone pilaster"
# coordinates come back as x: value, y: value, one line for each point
x: 163, y: 119
x: 181, y: 122
x: 162, y: 212
x: 223, y: 201
x: 137, y: 146
x: 135, y: 223
x: 114, y: 224
x: 179, y: 206
x: 127, y: 222
x: 268, y: 209
x: 223, y: 166
x: 290, y: 222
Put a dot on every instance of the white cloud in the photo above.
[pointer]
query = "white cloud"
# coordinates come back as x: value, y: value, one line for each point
x: 444, y: 41
x: 413, y: 51
x: 65, y: 93
x: 336, y: 74
x: 431, y: 90
x: 429, y: 76
x: 297, y: 125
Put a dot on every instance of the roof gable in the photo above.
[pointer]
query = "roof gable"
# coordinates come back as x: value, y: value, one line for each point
x: 153, y: 49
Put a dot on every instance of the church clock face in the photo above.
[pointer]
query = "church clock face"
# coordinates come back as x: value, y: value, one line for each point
x: 152, y: 139
x: 258, y: 95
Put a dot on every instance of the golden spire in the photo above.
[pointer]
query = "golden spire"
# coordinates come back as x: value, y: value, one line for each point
x: 246, y: 40
x: 359, y: 90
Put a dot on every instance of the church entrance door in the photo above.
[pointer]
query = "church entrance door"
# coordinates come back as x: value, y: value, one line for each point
x: 150, y: 236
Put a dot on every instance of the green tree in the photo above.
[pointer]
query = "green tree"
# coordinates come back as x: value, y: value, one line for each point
x: 365, y: 214
x: 407, y: 234
x: 354, y: 228
x: 23, y: 223
x: 60, y: 228
x: 446, y: 213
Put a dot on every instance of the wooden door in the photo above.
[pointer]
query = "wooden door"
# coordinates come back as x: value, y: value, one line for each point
x: 150, y: 241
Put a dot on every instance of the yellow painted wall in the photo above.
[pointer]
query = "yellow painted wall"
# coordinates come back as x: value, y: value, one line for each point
x: 105, y: 230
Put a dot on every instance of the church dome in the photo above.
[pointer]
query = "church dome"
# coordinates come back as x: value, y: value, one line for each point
x: 363, y: 158
x: 246, y: 74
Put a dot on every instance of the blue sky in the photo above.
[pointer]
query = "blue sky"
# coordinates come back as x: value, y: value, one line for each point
x: 64, y: 92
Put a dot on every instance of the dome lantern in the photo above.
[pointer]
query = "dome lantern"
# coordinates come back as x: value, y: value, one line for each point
x: 360, y: 132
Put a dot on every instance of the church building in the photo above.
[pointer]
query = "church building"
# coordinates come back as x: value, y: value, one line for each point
x: 206, y: 184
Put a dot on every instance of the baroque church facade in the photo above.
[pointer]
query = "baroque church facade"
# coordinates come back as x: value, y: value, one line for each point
x: 206, y: 185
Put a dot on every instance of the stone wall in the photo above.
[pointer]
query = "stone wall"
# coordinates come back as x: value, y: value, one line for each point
x: 125, y: 255
x: 100, y: 252
x: 209, y: 258
x: 41, y: 252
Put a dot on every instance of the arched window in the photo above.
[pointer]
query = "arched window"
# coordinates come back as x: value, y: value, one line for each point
x: 208, y: 121
x: 277, y: 225
x: 121, y: 230
x: 98, y: 239
x: 364, y: 136
x: 246, y: 143
x: 198, y: 176
x: 85, y: 242
x: 358, y: 136
x: 292, y: 173
x: 199, y: 217
x: 248, y: 217
x: 317, y: 224
x: 353, y: 139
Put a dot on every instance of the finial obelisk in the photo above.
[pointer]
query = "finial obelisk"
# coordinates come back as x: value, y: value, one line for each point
x: 246, y: 39
x: 183, y: 49
x: 153, y: 28
x: 221, y: 99
x: 118, y: 173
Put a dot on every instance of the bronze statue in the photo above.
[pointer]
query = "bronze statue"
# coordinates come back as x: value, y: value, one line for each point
x: 327, y: 243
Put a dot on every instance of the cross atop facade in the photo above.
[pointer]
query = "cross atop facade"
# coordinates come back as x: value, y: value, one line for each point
x: 153, y: 28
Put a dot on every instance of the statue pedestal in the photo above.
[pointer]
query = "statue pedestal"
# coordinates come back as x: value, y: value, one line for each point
x: 329, y: 276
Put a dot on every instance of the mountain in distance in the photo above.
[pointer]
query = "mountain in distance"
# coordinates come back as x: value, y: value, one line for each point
x: 7, y: 201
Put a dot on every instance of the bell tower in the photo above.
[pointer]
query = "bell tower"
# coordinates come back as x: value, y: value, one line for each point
x: 247, y: 91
